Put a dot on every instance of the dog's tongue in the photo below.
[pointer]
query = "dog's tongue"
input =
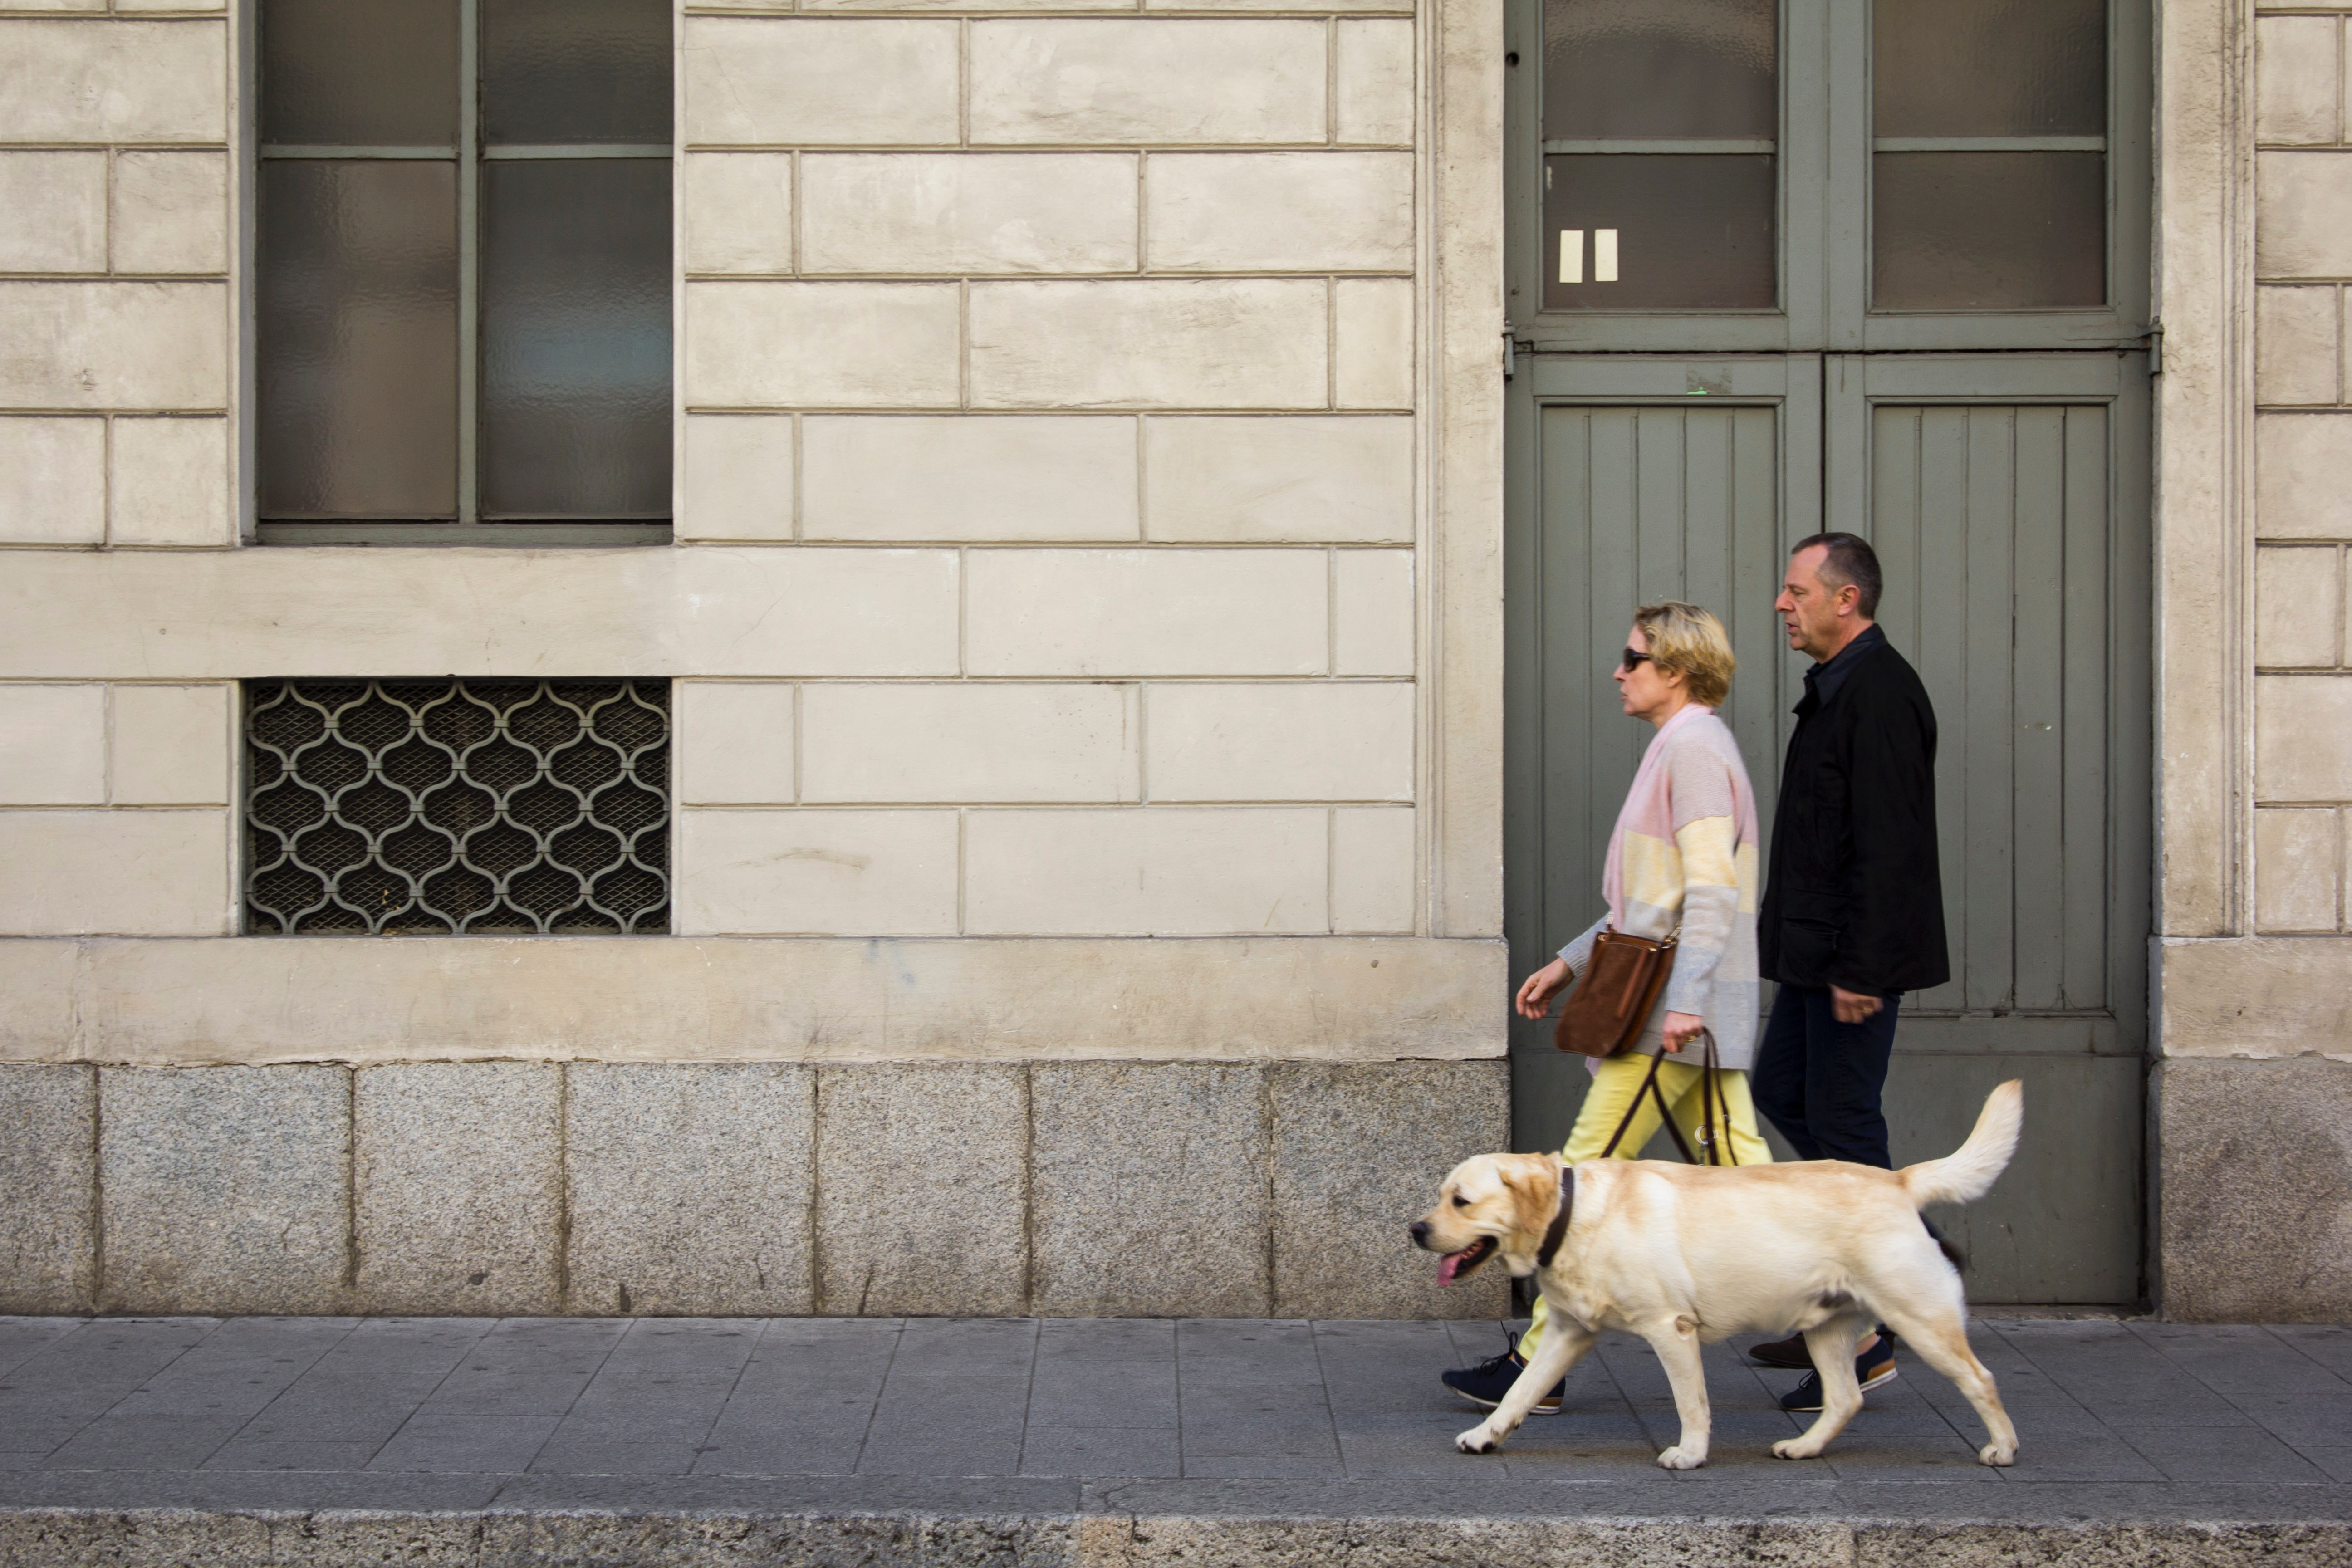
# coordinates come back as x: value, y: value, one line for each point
x: 1448, y: 1267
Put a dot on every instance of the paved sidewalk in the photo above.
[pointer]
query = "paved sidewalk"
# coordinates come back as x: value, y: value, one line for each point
x: 1045, y: 1423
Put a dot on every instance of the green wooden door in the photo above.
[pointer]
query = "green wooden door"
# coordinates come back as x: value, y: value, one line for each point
x: 1777, y: 266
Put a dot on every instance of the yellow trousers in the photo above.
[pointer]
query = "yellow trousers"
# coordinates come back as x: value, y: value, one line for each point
x: 1613, y: 1089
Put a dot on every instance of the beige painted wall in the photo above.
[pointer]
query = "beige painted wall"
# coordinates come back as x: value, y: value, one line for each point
x: 1088, y: 520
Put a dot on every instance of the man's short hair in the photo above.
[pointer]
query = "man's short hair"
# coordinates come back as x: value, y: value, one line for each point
x: 1686, y: 639
x: 1850, y: 560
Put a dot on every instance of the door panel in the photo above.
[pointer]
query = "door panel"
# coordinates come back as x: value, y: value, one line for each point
x: 1636, y: 499
x: 2006, y: 498
x: 2000, y: 498
x: 1991, y: 524
x: 2062, y: 1223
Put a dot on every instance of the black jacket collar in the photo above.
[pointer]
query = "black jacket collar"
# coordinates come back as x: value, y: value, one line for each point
x: 1822, y: 681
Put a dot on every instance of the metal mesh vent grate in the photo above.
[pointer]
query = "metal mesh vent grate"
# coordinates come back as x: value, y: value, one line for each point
x: 492, y: 807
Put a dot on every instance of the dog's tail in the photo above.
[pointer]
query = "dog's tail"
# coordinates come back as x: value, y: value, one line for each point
x: 1968, y: 1173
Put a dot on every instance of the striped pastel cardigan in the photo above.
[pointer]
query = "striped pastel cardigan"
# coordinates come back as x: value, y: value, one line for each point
x: 1684, y: 854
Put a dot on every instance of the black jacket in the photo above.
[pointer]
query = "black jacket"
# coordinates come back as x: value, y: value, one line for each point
x: 1853, y: 896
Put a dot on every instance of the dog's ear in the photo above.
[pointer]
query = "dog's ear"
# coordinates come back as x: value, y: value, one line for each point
x: 1533, y: 1182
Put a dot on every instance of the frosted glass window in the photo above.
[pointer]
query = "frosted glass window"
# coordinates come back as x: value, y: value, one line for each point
x: 575, y: 71
x: 576, y: 342
x: 360, y: 73
x: 358, y: 340
x: 1990, y: 231
x: 1688, y: 232
x: 1661, y: 68
x: 464, y: 291
x: 1989, y: 155
x: 1989, y: 68
x: 1661, y: 138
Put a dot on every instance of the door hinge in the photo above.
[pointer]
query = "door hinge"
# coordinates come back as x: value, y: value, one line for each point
x: 1513, y: 347
x: 2154, y: 339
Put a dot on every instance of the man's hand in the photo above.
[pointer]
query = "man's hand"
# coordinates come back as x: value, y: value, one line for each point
x: 1681, y: 1028
x: 1854, y: 1007
x: 1536, y: 991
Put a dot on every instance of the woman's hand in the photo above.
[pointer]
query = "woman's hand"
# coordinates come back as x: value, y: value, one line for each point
x: 1536, y: 991
x: 1681, y: 1028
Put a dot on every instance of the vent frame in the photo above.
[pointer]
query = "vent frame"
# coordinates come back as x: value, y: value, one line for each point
x: 456, y: 807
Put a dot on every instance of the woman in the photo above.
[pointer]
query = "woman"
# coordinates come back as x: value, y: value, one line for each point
x: 1682, y: 858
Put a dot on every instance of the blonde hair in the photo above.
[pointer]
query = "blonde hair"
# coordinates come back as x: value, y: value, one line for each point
x: 1687, y: 639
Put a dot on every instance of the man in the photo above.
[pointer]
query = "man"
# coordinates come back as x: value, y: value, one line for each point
x: 1853, y: 908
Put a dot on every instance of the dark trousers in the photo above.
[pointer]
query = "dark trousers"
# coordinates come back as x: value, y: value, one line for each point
x: 1819, y: 1080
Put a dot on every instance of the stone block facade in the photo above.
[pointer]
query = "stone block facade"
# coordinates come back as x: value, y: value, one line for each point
x: 1058, y: 507
x: 1077, y: 1188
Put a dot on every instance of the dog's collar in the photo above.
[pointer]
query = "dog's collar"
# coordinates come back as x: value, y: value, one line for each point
x: 1558, y: 1231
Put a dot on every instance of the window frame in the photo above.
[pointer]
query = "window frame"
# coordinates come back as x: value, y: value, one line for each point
x: 1825, y: 149
x: 468, y: 153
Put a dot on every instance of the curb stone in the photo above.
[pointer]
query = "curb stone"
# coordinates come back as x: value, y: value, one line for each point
x: 193, y: 1538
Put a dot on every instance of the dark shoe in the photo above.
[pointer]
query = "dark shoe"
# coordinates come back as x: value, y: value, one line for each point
x: 1789, y: 1354
x: 1484, y: 1384
x: 1871, y: 1368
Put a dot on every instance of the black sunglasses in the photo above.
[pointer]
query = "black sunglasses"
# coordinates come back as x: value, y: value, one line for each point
x: 1631, y: 659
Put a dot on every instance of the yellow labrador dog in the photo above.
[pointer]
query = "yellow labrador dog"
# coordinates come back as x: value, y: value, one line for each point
x: 1685, y: 1255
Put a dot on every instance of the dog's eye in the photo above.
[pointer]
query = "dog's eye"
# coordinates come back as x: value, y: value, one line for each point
x: 1460, y: 1202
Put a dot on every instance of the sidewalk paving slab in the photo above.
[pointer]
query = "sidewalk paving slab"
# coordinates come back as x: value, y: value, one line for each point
x: 1122, y: 1443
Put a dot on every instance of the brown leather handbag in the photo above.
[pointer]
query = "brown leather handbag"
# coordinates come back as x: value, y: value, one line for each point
x: 1620, y: 987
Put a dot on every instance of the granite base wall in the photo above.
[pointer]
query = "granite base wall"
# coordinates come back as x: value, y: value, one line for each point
x: 2255, y: 1202
x: 1073, y: 1189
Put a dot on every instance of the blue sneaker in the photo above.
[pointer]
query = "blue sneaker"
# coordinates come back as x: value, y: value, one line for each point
x: 1484, y: 1384
x: 1871, y: 1368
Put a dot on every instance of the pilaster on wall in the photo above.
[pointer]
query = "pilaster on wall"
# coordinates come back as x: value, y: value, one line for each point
x: 2254, y: 459
x: 2203, y: 288
x: 1462, y: 434
x: 2254, y: 948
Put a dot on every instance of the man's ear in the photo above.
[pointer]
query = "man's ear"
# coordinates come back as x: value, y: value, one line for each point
x: 1533, y: 1182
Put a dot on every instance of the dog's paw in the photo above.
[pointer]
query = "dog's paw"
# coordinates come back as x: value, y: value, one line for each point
x: 1477, y: 1440
x: 1995, y: 1454
x: 1681, y: 1458
x: 1796, y: 1448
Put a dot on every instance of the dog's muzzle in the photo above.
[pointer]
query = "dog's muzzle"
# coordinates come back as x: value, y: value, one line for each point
x: 1453, y: 1266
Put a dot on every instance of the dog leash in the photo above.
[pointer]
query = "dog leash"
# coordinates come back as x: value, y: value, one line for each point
x: 1708, y: 1099
x: 1557, y: 1233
